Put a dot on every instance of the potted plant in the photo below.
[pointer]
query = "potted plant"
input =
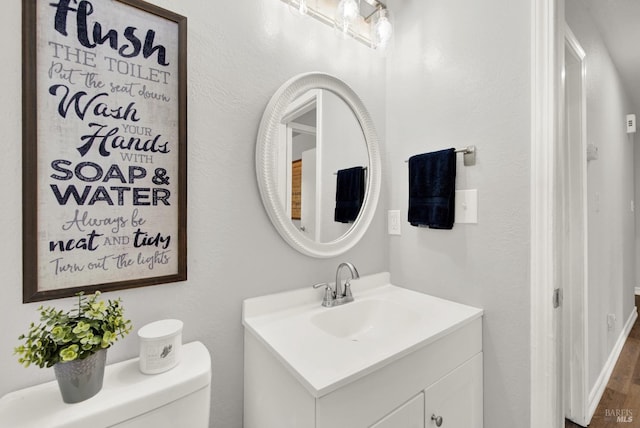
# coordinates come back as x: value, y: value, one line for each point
x: 74, y: 343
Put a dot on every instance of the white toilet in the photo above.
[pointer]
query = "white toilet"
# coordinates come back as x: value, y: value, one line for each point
x: 179, y: 397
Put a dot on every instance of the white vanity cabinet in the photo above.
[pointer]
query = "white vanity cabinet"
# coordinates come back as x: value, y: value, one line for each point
x: 393, y: 358
x: 455, y: 401
x: 409, y: 415
x: 443, y: 378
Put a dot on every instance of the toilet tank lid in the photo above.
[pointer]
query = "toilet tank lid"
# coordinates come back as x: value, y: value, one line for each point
x: 126, y: 393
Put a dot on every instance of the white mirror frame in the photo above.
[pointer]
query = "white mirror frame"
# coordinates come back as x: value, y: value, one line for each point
x: 266, y: 152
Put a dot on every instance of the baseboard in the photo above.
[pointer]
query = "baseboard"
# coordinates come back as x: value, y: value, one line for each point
x: 601, y: 383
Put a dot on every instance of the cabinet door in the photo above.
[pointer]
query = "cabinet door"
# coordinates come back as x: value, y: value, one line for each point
x: 456, y: 398
x: 409, y: 415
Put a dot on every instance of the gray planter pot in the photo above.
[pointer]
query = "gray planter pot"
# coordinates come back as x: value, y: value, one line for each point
x: 81, y: 379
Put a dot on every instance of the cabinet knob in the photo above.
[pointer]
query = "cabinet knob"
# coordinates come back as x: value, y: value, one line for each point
x: 437, y: 420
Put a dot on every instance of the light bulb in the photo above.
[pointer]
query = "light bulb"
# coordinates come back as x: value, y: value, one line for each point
x: 382, y: 31
x: 299, y: 6
x: 346, y: 14
x: 302, y: 7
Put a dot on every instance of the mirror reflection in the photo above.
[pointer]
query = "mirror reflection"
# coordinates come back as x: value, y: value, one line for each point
x: 322, y: 165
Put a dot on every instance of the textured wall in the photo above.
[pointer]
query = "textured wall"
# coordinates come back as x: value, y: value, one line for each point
x: 239, y: 54
x: 459, y: 75
x: 610, y: 190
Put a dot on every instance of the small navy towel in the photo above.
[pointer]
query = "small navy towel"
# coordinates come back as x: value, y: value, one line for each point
x: 432, y: 178
x: 349, y: 194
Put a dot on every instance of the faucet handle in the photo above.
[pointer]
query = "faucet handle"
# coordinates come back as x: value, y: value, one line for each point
x: 328, y: 298
x: 348, y: 297
x: 321, y: 284
x: 347, y: 289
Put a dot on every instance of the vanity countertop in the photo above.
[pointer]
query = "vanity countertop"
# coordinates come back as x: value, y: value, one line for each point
x: 327, y: 348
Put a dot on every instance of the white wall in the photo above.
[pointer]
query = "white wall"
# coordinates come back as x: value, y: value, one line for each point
x: 459, y: 74
x: 239, y: 53
x: 610, y: 181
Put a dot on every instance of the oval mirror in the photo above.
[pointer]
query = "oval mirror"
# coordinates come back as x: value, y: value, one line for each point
x: 318, y: 164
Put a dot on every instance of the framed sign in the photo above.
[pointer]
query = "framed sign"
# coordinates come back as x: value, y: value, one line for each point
x: 104, y: 146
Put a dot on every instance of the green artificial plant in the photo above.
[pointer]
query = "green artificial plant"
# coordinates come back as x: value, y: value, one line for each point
x: 73, y: 335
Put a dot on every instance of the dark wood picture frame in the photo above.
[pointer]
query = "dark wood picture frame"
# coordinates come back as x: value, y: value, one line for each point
x: 158, y: 199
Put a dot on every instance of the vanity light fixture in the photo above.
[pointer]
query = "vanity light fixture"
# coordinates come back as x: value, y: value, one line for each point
x: 365, y: 20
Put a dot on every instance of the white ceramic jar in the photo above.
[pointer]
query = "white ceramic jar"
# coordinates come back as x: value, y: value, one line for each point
x: 160, y: 346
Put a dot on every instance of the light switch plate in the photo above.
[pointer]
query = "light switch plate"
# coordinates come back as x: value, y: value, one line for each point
x: 393, y: 222
x: 466, y: 206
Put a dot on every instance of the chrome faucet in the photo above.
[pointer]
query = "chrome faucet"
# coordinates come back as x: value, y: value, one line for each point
x: 345, y: 294
x: 339, y: 296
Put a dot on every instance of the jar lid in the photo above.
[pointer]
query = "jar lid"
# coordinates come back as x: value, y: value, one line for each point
x: 160, y: 329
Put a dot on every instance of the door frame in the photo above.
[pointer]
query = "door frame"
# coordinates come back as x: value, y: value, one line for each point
x: 547, y: 59
x: 573, y: 260
x: 287, y: 125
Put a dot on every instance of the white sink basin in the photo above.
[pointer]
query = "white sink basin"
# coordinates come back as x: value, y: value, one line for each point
x: 326, y: 348
x: 368, y: 319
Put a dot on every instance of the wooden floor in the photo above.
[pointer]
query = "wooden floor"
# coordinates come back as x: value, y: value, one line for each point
x: 620, y: 403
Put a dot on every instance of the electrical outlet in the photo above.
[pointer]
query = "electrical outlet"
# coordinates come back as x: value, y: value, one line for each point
x: 393, y: 222
x: 631, y: 124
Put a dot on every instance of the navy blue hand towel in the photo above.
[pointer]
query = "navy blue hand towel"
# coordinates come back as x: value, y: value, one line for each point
x: 349, y: 194
x: 432, y: 178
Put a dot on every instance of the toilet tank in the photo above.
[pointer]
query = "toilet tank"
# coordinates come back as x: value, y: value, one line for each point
x: 179, y: 397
